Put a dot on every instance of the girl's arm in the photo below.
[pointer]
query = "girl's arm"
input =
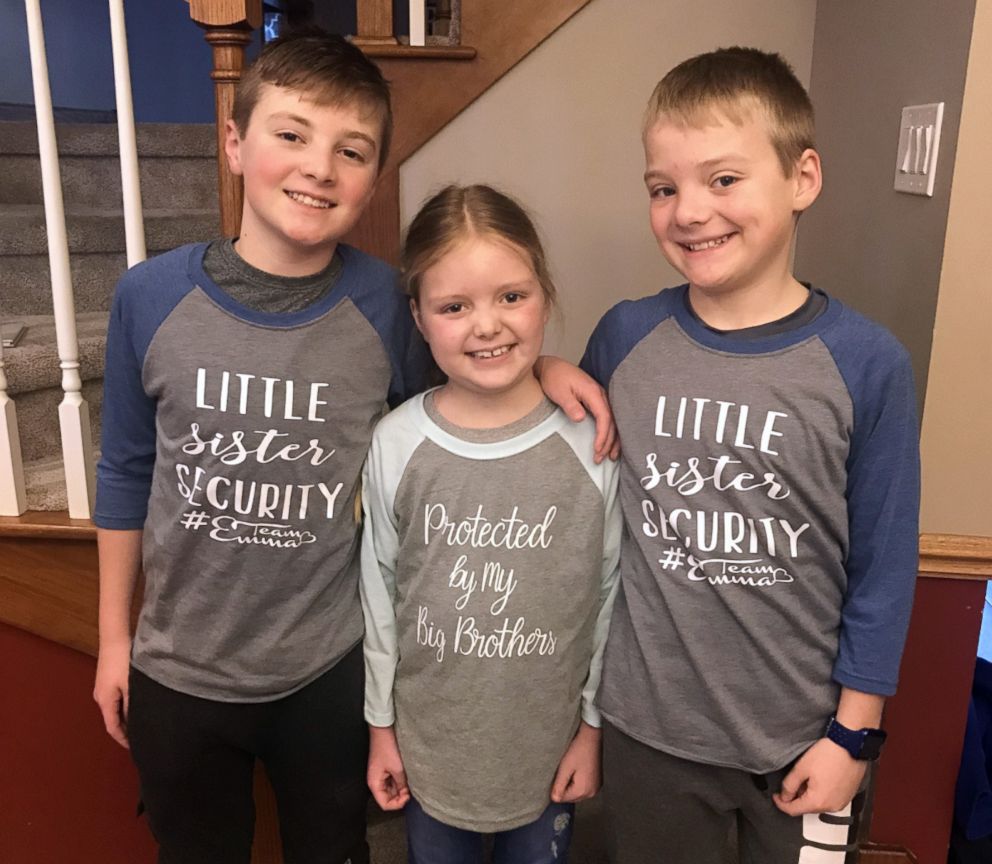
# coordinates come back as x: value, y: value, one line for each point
x: 377, y: 588
x: 609, y: 583
x: 579, y: 774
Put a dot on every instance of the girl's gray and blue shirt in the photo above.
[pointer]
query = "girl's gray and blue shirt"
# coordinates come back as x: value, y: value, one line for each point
x: 489, y: 566
x: 770, y: 491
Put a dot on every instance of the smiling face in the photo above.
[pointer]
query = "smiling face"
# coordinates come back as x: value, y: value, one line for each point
x: 309, y: 172
x: 722, y: 209
x: 482, y: 310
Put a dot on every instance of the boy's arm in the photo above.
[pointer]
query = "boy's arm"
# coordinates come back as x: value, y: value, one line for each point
x: 575, y: 392
x: 120, y: 563
x: 826, y: 777
x: 883, y: 490
x: 123, y: 484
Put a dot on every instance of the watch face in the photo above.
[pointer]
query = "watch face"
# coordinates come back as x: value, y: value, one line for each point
x: 871, y: 745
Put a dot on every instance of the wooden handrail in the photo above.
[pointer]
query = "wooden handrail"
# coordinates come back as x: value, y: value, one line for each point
x: 229, y: 25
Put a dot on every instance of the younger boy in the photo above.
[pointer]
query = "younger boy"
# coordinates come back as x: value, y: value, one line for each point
x: 770, y: 485
x: 243, y: 381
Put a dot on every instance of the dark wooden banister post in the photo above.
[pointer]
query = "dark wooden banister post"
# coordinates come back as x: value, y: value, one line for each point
x: 375, y: 23
x: 229, y: 25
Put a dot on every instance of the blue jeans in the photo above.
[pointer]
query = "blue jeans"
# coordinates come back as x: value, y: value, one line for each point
x: 543, y: 841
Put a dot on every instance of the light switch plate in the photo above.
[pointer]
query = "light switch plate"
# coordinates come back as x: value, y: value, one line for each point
x: 916, y: 158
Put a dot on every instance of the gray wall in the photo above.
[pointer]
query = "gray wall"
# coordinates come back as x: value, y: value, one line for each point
x: 562, y: 132
x: 875, y: 248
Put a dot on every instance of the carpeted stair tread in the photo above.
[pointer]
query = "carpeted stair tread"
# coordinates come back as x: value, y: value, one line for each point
x: 44, y: 483
x: 100, y: 139
x: 23, y: 231
x: 34, y: 363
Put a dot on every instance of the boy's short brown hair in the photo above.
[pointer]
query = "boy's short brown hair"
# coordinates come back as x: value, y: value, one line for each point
x: 327, y: 69
x: 732, y: 81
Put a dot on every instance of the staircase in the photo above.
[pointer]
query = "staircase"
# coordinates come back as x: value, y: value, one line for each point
x: 179, y: 192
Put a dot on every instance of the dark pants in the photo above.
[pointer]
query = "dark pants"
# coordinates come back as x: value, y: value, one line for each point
x: 543, y: 841
x: 196, y: 758
x: 666, y: 810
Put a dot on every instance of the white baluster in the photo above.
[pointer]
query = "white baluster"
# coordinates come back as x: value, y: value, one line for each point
x: 134, y: 229
x: 12, y: 499
x: 74, y: 421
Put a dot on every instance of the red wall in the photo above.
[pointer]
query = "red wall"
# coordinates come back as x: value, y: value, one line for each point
x: 914, y: 793
x: 67, y: 792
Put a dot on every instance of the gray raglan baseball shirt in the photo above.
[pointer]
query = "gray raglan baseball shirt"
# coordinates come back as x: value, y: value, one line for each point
x: 235, y: 438
x: 770, y: 490
x: 488, y: 573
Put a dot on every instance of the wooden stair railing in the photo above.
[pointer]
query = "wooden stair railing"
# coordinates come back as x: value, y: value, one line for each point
x: 229, y: 25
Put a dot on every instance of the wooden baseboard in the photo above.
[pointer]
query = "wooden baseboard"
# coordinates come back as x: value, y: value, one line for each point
x: 874, y: 853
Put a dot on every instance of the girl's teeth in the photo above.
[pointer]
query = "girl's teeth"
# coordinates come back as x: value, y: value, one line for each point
x: 310, y: 202
x: 709, y: 244
x: 496, y: 352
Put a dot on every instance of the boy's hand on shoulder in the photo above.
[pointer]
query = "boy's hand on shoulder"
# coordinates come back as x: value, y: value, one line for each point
x: 575, y: 392
x: 386, y: 775
x: 824, y: 780
x: 579, y: 775
x: 110, y: 690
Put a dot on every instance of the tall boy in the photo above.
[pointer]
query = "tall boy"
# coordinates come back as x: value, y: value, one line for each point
x: 243, y: 382
x: 770, y: 490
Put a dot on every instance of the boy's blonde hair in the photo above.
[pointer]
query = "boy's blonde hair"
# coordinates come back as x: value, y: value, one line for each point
x: 734, y: 82
x: 460, y: 212
x: 326, y: 69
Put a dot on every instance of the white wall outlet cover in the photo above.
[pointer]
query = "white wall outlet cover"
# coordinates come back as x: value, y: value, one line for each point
x: 916, y: 157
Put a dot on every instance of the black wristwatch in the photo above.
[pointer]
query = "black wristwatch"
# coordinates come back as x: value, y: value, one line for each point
x: 863, y: 744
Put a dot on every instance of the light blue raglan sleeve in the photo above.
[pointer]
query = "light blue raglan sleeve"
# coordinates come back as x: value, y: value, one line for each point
x: 606, y: 476
x: 127, y: 460
x: 883, y: 499
x: 380, y: 547
x: 393, y: 443
x: 610, y: 582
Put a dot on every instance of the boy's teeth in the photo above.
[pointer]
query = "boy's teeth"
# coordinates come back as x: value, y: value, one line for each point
x: 709, y: 244
x: 310, y: 202
x: 496, y: 352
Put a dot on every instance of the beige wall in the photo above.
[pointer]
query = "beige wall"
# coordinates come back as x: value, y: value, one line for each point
x: 875, y: 248
x: 562, y: 132
x: 957, y: 423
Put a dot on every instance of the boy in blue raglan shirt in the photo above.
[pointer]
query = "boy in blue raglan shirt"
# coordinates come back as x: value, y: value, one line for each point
x: 770, y: 488
x: 243, y: 382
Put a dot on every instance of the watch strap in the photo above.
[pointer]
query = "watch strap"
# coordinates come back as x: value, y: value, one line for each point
x: 865, y: 744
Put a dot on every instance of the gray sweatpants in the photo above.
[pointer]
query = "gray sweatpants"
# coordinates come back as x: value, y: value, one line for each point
x: 666, y: 810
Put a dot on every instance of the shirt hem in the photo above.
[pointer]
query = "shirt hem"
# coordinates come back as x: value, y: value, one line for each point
x: 479, y: 826
x: 214, y: 696
x: 690, y: 756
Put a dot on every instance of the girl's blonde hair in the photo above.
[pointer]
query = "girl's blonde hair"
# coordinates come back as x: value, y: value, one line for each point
x: 459, y: 212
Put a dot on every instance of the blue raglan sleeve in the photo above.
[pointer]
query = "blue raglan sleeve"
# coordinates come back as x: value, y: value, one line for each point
x: 619, y: 330
x: 124, y: 472
x: 596, y: 361
x: 883, y: 499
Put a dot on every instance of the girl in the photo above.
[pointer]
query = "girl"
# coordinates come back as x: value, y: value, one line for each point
x: 489, y: 559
